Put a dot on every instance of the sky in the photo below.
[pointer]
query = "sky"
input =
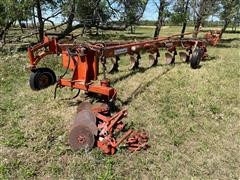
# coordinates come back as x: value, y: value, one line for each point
x: 151, y: 11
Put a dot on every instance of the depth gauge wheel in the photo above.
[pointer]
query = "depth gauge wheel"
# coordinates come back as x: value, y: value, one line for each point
x: 196, y: 58
x: 42, y: 78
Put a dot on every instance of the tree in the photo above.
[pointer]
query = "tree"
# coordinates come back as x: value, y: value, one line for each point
x: 44, y: 6
x: 11, y: 11
x: 132, y: 11
x: 88, y: 13
x: 181, y: 14
x: 230, y: 10
x: 162, y: 13
x: 236, y: 21
x: 201, y: 10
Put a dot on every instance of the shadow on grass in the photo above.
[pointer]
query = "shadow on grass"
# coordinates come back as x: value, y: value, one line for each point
x: 132, y: 37
x: 229, y: 40
x: 226, y: 32
x: 143, y: 69
x: 142, y: 88
x: 224, y: 45
x: 118, y: 36
x: 91, y: 97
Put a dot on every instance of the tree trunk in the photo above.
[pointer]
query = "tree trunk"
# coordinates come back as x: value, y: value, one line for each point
x: 185, y: 19
x: 20, y: 24
x: 197, y: 27
x: 226, y: 23
x: 4, y: 31
x: 131, y: 28
x: 69, y: 27
x: 40, y: 20
x: 200, y: 15
x: 160, y: 18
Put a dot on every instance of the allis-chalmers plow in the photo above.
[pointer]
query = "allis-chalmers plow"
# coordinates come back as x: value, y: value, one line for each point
x: 94, y: 125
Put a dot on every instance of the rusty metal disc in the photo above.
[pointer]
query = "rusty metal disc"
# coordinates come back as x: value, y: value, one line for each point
x: 86, y: 118
x: 81, y: 137
x: 152, y: 60
x: 168, y: 58
x: 183, y: 56
x: 134, y: 62
x: 84, y: 106
x: 114, y: 66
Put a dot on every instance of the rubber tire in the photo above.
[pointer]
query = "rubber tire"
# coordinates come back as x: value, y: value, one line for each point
x: 196, y: 58
x: 37, y: 73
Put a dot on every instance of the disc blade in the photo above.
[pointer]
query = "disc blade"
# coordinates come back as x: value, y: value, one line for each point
x: 134, y: 63
x: 168, y: 58
x: 81, y: 137
x: 84, y: 106
x: 152, y: 60
x: 183, y: 56
x: 86, y: 118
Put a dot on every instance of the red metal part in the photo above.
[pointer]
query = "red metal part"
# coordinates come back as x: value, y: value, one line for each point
x: 108, y: 127
x: 137, y: 141
x: 83, y: 59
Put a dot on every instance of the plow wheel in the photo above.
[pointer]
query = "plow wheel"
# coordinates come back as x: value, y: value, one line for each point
x: 153, y: 60
x: 134, y: 62
x: 114, y: 67
x: 42, y: 78
x: 196, y: 58
x: 83, y: 130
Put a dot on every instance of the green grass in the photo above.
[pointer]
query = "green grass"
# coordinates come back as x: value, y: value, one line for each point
x: 192, y: 117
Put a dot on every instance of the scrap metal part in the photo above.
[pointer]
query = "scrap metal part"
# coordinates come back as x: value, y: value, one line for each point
x: 81, y: 137
x: 92, y: 126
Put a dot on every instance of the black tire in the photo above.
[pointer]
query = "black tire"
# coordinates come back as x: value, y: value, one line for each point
x: 196, y: 58
x: 42, y: 78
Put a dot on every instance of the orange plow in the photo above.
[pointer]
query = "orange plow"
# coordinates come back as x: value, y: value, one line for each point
x: 94, y: 124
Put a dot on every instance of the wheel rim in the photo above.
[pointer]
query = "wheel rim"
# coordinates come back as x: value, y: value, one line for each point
x: 43, y: 81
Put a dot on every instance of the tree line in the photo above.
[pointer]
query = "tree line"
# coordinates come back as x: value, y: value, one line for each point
x: 112, y: 14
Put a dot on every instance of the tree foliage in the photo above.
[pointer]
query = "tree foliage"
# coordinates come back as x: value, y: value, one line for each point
x: 230, y: 10
x: 107, y: 14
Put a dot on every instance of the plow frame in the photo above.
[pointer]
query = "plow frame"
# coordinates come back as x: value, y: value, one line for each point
x: 83, y: 60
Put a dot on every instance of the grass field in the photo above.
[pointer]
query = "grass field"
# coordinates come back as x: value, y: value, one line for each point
x: 192, y: 117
